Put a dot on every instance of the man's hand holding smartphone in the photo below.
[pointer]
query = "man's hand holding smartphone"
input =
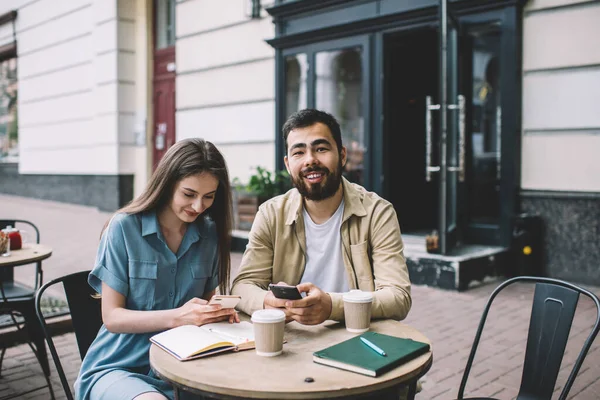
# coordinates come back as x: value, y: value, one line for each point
x: 310, y: 310
x: 271, y: 301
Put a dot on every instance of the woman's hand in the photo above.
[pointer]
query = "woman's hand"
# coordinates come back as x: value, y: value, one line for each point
x: 197, y: 312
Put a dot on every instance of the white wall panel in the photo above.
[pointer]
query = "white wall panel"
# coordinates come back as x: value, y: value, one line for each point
x: 561, y: 161
x: 242, y: 158
x: 106, y: 128
x: 105, y: 98
x: 200, y: 15
x: 239, y: 83
x: 128, y: 158
x: 56, y: 57
x: 126, y: 9
x: 126, y: 128
x: 126, y: 98
x: 127, y: 66
x: 562, y: 99
x: 6, y: 34
x: 57, y: 110
x: 227, y: 46
x: 105, y: 37
x: 565, y: 37
x: 56, y: 83
x: 231, y: 124
x: 9, y: 5
x: 40, y: 12
x: 105, y: 67
x: 104, y: 10
x: 540, y: 4
x: 126, y: 35
x: 76, y: 134
x: 94, y: 160
x: 70, y: 26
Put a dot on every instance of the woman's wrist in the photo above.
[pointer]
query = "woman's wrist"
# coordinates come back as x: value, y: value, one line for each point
x: 172, y: 320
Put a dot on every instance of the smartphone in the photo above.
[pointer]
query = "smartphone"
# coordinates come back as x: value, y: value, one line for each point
x: 285, y: 292
x: 226, y: 301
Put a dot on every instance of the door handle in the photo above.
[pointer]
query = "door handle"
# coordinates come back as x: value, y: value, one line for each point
x: 461, y: 137
x: 428, y: 167
x: 461, y: 107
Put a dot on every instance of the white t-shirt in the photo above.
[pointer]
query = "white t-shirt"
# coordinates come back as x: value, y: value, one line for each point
x: 324, y: 262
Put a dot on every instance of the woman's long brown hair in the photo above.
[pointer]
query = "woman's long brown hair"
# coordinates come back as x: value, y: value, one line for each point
x: 185, y: 158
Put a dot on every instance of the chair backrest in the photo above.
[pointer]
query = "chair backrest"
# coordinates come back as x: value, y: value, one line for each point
x: 551, y: 319
x: 13, y: 222
x: 7, y: 274
x: 552, y: 313
x: 86, y: 316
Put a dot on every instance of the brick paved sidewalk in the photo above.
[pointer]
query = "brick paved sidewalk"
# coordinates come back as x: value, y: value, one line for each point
x: 449, y: 319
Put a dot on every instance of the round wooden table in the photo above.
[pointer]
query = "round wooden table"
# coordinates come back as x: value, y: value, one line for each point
x: 244, y: 374
x: 30, y: 253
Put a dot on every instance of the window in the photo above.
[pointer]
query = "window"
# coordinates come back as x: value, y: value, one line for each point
x: 338, y: 90
x: 9, y: 129
x: 165, y: 23
x: 331, y: 76
x: 296, y: 70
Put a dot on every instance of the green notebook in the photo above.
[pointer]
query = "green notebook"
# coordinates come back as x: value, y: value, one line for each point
x: 354, y: 355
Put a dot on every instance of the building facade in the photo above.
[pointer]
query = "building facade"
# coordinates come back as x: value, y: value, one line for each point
x: 462, y: 138
x: 106, y: 86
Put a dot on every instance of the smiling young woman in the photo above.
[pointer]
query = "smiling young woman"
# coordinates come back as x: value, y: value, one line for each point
x: 160, y: 259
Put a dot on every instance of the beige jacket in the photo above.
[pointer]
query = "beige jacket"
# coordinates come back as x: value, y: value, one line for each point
x: 372, y: 250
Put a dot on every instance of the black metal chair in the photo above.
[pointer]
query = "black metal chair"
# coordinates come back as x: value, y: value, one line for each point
x: 554, y: 306
x: 17, y: 300
x: 86, y: 316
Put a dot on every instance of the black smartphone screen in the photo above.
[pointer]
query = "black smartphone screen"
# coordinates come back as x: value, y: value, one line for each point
x: 285, y: 292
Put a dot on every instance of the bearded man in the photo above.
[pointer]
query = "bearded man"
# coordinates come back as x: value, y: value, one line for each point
x: 326, y: 236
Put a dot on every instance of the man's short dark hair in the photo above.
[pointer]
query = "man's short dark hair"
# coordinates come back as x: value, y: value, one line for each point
x: 309, y: 117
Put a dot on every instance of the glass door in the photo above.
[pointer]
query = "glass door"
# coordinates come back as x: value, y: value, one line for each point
x: 451, y: 131
x: 333, y: 76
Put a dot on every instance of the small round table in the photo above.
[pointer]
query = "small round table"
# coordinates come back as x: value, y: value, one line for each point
x: 30, y: 253
x: 239, y: 375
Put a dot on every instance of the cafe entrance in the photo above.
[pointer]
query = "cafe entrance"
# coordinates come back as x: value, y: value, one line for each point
x: 428, y: 98
x: 444, y: 143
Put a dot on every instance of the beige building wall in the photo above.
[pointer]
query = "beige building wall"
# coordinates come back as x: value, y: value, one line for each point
x: 82, y: 87
x: 225, y: 89
x: 561, y: 96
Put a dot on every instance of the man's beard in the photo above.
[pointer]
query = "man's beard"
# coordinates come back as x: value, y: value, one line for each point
x: 322, y: 190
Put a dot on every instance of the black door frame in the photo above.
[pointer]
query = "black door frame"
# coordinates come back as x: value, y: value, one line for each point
x: 375, y: 27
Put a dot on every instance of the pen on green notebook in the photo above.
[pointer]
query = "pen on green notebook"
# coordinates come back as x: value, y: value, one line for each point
x: 373, y: 346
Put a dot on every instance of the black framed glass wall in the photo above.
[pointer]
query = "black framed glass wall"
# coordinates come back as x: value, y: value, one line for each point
x: 333, y: 76
x: 375, y: 76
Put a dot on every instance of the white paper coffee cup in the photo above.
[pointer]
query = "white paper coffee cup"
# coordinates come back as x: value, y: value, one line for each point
x: 268, y: 331
x: 357, y: 310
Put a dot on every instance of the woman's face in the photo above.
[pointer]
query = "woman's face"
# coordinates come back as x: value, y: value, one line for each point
x: 194, y: 195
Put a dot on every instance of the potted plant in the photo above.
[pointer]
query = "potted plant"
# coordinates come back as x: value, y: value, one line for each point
x: 262, y: 185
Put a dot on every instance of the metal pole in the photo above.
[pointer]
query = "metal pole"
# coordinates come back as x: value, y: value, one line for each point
x: 443, y: 122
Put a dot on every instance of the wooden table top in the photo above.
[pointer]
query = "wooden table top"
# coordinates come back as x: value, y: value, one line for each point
x: 30, y: 253
x: 245, y: 374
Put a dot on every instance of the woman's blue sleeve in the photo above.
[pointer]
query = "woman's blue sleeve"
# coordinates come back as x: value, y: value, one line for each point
x: 111, y: 265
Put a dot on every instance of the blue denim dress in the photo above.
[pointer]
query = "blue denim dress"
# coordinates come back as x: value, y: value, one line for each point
x: 134, y: 259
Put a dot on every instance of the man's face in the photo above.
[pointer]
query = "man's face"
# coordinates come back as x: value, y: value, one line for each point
x: 314, y: 162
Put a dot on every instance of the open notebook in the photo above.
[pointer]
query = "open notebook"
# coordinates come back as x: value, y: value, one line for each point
x: 189, y: 341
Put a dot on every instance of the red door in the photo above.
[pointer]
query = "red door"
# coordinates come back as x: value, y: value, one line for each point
x: 163, y: 136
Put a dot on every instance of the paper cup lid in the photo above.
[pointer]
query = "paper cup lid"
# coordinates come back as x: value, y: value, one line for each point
x: 358, y: 296
x: 268, y: 316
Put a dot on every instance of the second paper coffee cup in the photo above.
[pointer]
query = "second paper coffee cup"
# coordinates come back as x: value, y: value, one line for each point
x: 357, y: 310
x: 268, y: 332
